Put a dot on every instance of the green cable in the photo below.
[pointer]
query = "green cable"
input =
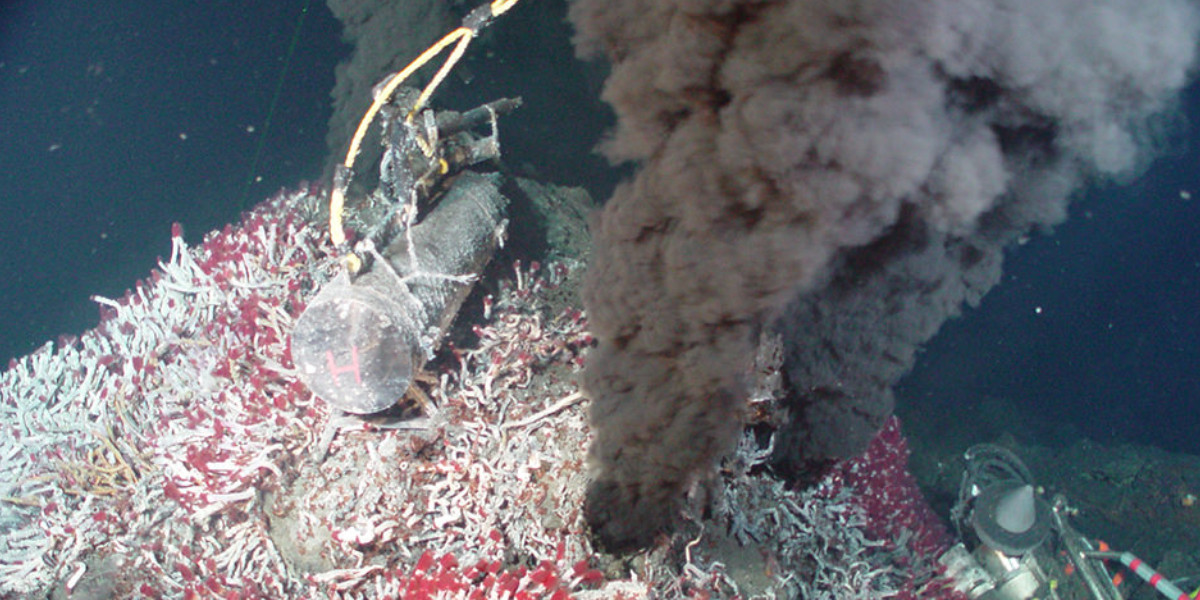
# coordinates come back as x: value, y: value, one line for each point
x: 262, y: 139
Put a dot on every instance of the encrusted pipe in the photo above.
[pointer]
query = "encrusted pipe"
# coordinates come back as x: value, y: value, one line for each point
x: 359, y: 343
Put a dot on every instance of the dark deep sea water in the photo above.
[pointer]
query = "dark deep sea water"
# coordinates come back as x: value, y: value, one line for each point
x: 119, y: 119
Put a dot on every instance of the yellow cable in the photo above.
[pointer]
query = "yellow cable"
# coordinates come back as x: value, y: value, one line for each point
x: 456, y: 54
x: 463, y: 36
x: 386, y: 93
x: 337, y: 197
x: 499, y: 7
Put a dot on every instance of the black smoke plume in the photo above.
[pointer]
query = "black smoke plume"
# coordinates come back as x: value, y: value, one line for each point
x: 847, y: 172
